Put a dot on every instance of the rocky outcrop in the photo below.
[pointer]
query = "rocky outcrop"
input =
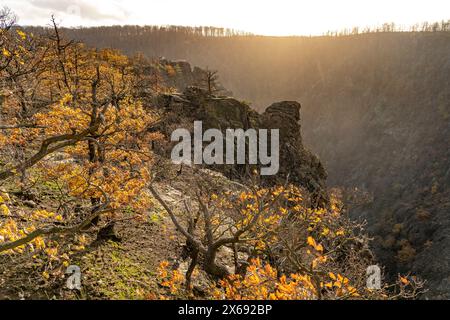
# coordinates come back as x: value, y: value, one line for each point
x: 297, y: 165
x: 296, y: 162
x: 181, y: 75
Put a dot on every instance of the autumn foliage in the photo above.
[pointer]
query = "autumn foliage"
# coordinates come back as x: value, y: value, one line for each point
x: 75, y: 123
x: 72, y: 122
x: 294, y: 252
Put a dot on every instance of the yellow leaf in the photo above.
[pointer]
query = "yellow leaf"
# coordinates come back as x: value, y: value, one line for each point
x: 6, y: 53
x: 404, y: 281
x: 4, y: 210
x: 311, y: 241
x: 22, y: 34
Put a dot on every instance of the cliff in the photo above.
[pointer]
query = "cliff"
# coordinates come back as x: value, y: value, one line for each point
x: 297, y: 164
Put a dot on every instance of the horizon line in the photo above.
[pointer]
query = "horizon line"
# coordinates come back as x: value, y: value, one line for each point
x: 386, y: 27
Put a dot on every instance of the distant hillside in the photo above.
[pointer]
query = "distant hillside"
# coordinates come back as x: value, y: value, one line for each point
x: 376, y: 109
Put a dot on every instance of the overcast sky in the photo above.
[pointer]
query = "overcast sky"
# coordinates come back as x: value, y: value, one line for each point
x: 270, y: 17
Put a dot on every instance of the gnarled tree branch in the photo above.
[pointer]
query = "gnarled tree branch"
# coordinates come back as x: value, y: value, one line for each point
x: 175, y: 221
x: 52, y: 229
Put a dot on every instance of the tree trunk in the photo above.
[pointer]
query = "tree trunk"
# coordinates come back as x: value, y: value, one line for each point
x: 212, y: 268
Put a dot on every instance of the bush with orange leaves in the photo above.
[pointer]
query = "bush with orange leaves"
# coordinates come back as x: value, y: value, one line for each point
x: 172, y: 280
x: 313, y: 253
x: 249, y: 218
x: 261, y: 282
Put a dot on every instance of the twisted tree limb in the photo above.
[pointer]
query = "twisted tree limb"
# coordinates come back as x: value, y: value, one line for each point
x: 52, y: 229
x: 175, y: 221
x: 21, y: 126
x: 49, y: 146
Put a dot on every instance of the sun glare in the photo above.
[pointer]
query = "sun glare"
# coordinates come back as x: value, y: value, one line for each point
x: 265, y: 17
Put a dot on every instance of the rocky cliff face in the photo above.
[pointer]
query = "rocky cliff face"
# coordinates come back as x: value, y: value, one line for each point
x: 297, y: 165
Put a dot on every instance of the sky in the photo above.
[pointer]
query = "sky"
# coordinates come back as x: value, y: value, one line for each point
x: 266, y: 17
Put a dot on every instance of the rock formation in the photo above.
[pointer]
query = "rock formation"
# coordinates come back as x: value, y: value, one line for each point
x: 185, y: 76
x: 297, y: 165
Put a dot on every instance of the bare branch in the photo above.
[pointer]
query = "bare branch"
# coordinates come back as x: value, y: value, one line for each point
x: 20, y: 126
x: 61, y: 141
x: 52, y: 229
x: 175, y: 220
